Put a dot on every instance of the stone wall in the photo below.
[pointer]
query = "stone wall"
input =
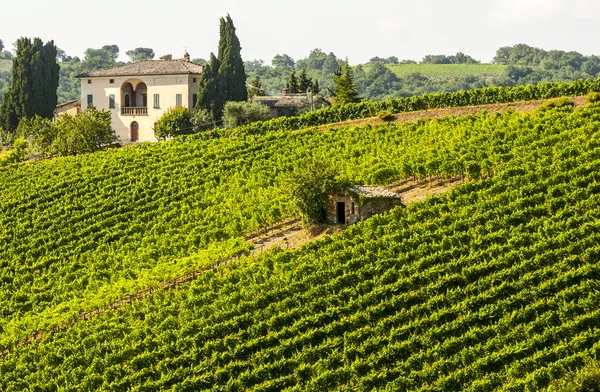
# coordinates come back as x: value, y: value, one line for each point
x: 355, y: 213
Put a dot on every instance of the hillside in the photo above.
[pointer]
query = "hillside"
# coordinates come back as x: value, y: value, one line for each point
x: 5, y: 65
x: 492, y: 286
x: 444, y: 70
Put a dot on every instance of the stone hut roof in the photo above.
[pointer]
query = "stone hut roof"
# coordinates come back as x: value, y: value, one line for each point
x: 149, y: 67
x: 373, y: 191
x: 284, y: 101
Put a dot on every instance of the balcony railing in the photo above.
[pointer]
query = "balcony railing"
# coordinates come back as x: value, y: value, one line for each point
x: 134, y: 111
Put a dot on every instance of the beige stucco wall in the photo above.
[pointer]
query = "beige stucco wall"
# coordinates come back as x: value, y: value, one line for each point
x: 166, y: 86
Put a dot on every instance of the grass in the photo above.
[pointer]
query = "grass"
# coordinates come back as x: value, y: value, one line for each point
x: 445, y: 70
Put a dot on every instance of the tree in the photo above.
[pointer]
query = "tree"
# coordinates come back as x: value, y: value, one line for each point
x: 304, y: 83
x: 113, y: 50
x: 210, y: 93
x: 34, y: 83
x: 283, y: 60
x: 202, y: 120
x: 345, y: 92
x: 309, y: 187
x: 255, y: 88
x: 140, y: 54
x: 1, y: 45
x: 292, y: 83
x: 231, y: 68
x: 175, y: 121
x: 241, y: 113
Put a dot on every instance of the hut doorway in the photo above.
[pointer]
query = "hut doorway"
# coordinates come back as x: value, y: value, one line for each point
x: 340, y: 208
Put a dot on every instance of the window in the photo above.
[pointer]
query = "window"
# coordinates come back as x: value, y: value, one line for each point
x: 111, y: 81
x: 90, y: 99
x: 111, y: 101
x: 194, y: 100
x: 352, y: 208
x: 178, y: 100
x: 156, y: 101
x: 89, y: 81
x: 194, y: 80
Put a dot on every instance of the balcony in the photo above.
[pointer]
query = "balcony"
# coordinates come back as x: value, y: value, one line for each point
x: 134, y: 111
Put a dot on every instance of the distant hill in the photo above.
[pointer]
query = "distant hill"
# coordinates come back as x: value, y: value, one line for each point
x: 445, y: 70
x: 5, y: 65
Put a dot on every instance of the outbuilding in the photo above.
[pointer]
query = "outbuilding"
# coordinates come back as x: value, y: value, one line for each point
x: 358, y: 203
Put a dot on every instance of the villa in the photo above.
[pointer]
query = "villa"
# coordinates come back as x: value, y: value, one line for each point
x: 138, y: 94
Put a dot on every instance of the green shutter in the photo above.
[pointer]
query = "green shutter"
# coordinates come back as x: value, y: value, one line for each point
x: 178, y: 100
x: 111, y: 101
x: 156, y: 101
x: 90, y: 99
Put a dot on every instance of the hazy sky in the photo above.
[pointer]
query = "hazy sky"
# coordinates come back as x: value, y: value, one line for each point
x: 359, y: 30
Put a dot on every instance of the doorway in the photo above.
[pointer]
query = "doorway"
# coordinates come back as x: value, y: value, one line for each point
x: 340, y: 208
x: 134, y: 135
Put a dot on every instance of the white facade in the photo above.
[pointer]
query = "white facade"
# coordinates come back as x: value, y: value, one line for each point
x: 137, y: 101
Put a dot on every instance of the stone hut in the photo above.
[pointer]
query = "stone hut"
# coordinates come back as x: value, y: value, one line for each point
x: 359, y: 203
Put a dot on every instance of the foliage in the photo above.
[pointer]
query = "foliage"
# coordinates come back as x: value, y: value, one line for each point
x: 34, y: 83
x: 176, y: 120
x: 202, y: 120
x: 481, y: 96
x: 492, y: 286
x: 309, y: 187
x: 18, y: 153
x: 255, y: 88
x: 85, y: 132
x: 386, y: 115
x: 345, y: 92
x: 242, y: 113
x: 586, y: 379
x: 231, y: 65
x: 558, y: 103
x: 592, y: 97
x: 140, y: 54
x: 40, y: 133
x: 210, y: 88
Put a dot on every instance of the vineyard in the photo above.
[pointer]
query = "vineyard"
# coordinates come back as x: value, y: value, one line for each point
x: 444, y: 70
x: 493, y: 286
x: 79, y: 233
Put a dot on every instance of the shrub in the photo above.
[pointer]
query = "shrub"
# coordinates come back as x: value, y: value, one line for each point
x: 242, y: 113
x: 87, y: 131
x: 203, y: 120
x: 592, y: 97
x: 558, y: 103
x: 175, y: 121
x: 386, y: 115
x: 18, y: 152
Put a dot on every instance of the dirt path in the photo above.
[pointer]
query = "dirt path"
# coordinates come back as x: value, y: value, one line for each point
x: 526, y: 106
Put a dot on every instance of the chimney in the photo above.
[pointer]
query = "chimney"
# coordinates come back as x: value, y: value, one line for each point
x: 285, y: 91
x: 186, y: 57
x: 166, y: 57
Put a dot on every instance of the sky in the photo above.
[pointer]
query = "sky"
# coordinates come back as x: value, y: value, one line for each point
x: 356, y: 29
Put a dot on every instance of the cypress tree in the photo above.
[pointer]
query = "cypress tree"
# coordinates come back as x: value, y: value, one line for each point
x: 231, y: 72
x: 304, y: 83
x: 292, y: 83
x: 210, y: 89
x: 34, y: 83
x: 345, y: 92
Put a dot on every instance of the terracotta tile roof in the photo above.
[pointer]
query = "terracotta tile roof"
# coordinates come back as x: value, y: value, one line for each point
x: 373, y: 191
x: 149, y: 67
